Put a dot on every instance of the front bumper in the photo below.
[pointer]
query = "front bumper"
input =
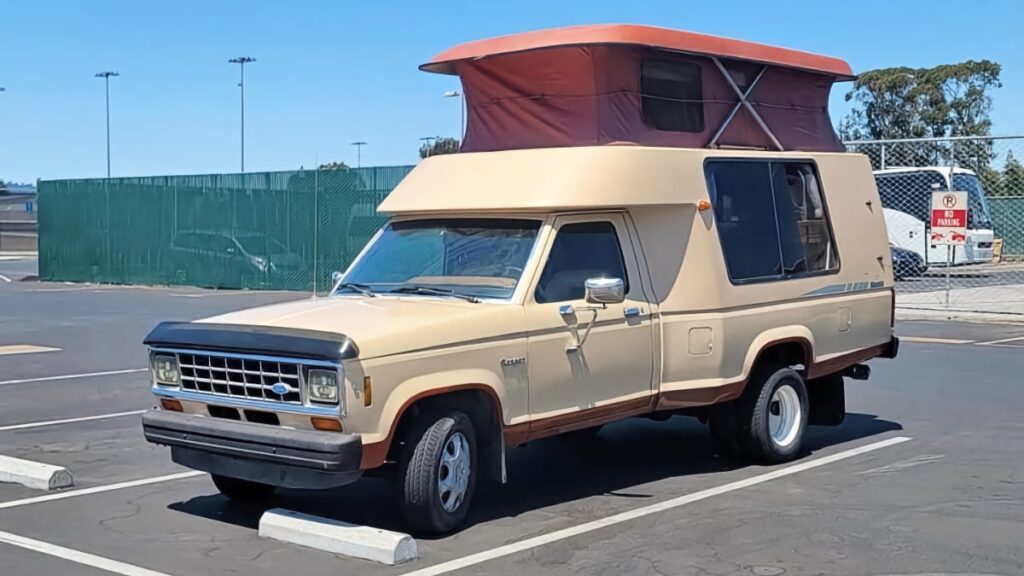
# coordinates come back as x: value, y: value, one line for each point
x: 257, y: 452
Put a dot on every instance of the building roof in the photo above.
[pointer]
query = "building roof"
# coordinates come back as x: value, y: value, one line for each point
x: 631, y: 34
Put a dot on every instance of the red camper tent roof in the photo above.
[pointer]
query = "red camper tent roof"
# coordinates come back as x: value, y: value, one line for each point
x: 653, y: 36
x: 604, y: 84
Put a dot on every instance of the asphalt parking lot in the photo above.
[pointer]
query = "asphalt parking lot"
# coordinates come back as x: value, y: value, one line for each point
x: 643, y: 498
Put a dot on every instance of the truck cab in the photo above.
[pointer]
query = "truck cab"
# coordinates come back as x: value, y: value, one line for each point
x: 547, y: 281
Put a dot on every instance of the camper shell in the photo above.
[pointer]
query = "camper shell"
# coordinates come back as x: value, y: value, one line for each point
x: 586, y: 258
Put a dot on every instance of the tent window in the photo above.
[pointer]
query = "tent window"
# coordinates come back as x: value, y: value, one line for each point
x: 672, y: 96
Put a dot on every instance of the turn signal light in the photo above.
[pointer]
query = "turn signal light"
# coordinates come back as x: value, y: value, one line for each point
x: 326, y: 424
x: 367, y: 391
x: 703, y: 205
x: 171, y: 405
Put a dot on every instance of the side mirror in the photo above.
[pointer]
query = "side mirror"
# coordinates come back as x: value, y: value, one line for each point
x: 336, y: 277
x: 605, y: 290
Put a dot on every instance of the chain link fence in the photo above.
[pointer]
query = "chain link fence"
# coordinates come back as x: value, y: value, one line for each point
x: 984, y: 275
x: 271, y: 230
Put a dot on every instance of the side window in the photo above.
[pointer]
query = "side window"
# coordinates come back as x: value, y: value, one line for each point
x: 804, y: 232
x: 671, y: 95
x: 771, y: 219
x: 580, y: 251
x: 741, y: 193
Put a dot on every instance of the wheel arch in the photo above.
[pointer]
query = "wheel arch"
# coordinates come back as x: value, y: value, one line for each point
x: 481, y: 401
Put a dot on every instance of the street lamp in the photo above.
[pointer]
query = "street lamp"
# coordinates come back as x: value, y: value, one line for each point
x: 359, y: 153
x: 242, y: 61
x: 106, y: 81
x: 462, y: 116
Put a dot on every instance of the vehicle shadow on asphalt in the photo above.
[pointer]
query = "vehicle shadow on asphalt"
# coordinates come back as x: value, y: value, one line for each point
x: 622, y: 458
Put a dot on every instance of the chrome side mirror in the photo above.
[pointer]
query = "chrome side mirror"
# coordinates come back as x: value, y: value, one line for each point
x: 605, y: 290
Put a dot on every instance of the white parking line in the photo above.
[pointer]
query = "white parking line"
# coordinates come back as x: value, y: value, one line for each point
x: 13, y: 349
x: 536, y: 541
x: 923, y: 340
x: 1003, y: 343
x: 4, y: 278
x: 72, y: 376
x: 99, y: 489
x: 68, y: 420
x: 85, y: 558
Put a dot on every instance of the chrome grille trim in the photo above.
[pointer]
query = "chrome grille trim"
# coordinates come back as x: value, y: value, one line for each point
x: 248, y: 377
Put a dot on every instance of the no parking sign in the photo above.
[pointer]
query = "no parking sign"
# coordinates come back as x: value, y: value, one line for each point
x: 949, y: 218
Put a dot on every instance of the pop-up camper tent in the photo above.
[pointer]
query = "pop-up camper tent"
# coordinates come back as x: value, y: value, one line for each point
x: 592, y: 85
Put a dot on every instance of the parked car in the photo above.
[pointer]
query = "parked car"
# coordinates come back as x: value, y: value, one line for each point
x: 541, y: 282
x: 906, y: 263
x: 224, y: 259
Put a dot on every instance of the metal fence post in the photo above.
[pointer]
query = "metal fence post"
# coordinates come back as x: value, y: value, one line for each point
x: 316, y: 225
x: 950, y: 249
x: 882, y: 161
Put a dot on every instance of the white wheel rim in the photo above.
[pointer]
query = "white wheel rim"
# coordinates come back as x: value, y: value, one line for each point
x: 784, y: 416
x: 453, y: 472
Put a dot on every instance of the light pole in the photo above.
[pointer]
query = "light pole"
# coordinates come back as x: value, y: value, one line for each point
x: 242, y: 61
x: 359, y: 153
x: 462, y: 116
x: 106, y: 81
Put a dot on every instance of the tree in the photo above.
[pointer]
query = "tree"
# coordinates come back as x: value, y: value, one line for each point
x: 947, y: 100
x: 334, y: 166
x: 944, y: 101
x: 439, y: 146
x: 1012, y: 182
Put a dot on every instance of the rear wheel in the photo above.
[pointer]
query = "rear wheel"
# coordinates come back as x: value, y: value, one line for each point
x: 772, y: 416
x: 242, y: 490
x: 440, y: 474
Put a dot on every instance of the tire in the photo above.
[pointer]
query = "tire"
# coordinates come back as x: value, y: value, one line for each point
x: 242, y: 490
x: 428, y: 507
x: 772, y: 416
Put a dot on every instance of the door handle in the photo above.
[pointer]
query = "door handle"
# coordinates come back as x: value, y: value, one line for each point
x: 632, y: 312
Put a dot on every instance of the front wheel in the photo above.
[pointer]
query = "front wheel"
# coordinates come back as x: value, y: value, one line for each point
x: 242, y: 490
x: 440, y: 475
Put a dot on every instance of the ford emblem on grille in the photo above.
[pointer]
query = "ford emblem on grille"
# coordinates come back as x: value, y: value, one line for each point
x: 280, y: 388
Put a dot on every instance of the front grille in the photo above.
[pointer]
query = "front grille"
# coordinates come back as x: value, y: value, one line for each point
x: 247, y: 378
x: 984, y: 244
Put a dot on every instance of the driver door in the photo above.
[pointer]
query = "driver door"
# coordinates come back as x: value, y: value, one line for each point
x: 615, y: 362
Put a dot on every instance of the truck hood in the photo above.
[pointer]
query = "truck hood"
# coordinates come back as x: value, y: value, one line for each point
x: 388, y: 325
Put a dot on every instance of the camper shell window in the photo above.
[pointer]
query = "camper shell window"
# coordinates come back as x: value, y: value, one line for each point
x: 771, y: 219
x: 672, y: 95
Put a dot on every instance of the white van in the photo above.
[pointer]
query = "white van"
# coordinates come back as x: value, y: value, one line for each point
x: 906, y: 198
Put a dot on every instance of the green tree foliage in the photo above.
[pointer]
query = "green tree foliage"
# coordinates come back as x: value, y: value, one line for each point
x: 439, y: 146
x: 1012, y: 181
x: 947, y: 100
x: 334, y: 166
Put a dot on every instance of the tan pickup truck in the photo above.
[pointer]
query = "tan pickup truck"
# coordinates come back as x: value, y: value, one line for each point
x: 526, y: 292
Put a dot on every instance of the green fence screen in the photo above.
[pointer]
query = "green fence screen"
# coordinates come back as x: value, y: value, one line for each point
x: 1007, y: 215
x: 272, y: 230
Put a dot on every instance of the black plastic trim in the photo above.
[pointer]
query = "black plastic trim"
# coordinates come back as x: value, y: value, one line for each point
x: 268, y: 340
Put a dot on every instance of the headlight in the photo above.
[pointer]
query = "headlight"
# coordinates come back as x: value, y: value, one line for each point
x: 165, y: 369
x: 322, y: 386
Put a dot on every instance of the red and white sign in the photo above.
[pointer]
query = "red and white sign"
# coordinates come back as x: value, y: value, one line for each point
x: 949, y: 218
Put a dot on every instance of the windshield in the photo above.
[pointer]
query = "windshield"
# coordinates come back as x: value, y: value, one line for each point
x: 978, y: 215
x: 472, y: 257
x: 911, y: 192
x: 261, y: 245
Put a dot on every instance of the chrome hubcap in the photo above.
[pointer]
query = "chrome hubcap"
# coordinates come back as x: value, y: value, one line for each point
x: 453, y: 473
x: 784, y: 416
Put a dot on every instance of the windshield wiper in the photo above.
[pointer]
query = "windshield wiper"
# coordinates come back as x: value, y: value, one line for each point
x: 432, y: 291
x: 361, y: 288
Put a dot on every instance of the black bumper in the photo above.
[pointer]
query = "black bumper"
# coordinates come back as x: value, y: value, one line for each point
x: 257, y: 452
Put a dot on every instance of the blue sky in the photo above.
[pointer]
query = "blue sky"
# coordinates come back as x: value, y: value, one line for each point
x: 329, y: 73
